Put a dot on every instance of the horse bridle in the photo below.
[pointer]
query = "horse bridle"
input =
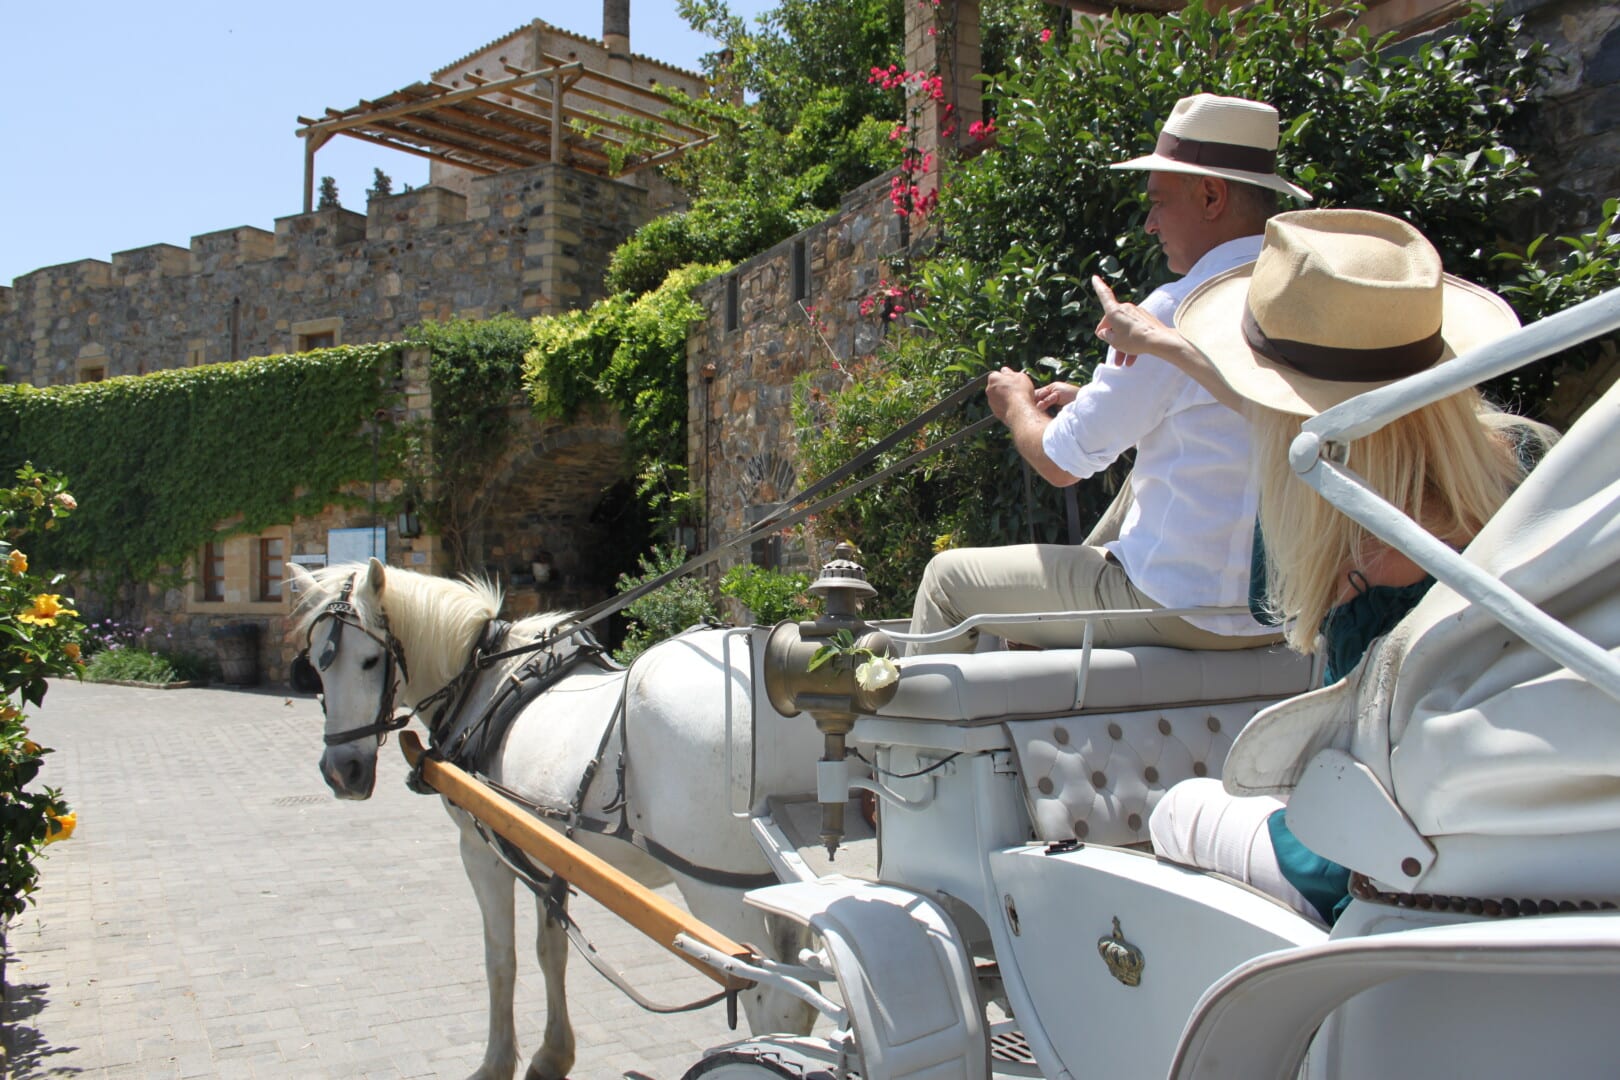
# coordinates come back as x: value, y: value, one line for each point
x: 344, y: 613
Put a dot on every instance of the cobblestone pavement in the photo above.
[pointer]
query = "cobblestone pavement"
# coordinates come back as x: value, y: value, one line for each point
x: 219, y: 914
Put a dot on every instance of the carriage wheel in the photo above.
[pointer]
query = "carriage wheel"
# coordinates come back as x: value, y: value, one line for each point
x: 758, y: 1063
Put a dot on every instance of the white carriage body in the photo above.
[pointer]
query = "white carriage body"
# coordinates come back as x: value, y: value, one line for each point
x: 1016, y: 787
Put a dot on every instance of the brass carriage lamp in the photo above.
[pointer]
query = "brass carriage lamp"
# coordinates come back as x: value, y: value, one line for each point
x: 795, y: 680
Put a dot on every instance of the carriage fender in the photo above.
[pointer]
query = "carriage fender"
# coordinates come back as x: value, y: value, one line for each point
x: 905, y: 973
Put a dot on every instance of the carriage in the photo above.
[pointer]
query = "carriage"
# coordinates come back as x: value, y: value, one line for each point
x: 1005, y: 916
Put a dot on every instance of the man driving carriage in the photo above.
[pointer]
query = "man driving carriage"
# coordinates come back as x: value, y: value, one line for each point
x: 1180, y: 534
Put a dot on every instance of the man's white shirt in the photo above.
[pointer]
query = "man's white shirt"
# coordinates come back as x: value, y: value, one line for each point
x: 1187, y: 538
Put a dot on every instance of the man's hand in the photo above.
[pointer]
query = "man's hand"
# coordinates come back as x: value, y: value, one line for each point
x: 1054, y: 396
x: 1129, y: 329
x: 1006, y: 390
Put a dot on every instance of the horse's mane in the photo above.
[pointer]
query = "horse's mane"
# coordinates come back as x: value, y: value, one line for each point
x: 436, y: 620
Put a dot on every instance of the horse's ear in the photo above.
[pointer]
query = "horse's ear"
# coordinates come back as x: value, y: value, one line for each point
x: 375, y: 572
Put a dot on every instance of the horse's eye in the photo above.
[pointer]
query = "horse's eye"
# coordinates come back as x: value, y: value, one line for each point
x: 369, y: 664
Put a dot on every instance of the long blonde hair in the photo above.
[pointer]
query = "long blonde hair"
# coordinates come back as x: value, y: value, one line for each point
x: 1448, y: 466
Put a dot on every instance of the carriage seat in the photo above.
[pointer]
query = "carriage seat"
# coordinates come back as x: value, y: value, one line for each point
x: 990, y: 687
x: 1093, y: 769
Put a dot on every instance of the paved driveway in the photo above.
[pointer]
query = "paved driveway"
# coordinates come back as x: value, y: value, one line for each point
x: 218, y: 913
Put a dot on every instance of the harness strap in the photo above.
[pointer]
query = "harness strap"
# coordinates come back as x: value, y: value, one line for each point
x: 552, y: 891
x: 786, y: 517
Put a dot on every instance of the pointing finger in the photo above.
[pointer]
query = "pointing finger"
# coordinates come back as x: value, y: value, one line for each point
x: 1104, y: 293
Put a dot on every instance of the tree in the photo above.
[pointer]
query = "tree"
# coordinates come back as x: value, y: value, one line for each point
x: 381, y: 184
x: 816, y: 129
x: 329, y: 195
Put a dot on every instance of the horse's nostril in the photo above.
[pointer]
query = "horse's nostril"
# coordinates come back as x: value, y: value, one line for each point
x: 354, y: 773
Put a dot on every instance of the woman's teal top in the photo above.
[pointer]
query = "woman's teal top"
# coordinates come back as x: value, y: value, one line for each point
x: 1349, y: 629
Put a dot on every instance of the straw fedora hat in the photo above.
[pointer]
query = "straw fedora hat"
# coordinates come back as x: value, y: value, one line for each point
x: 1338, y: 302
x: 1233, y: 138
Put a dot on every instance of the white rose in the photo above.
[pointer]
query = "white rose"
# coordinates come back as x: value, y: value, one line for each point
x: 876, y: 673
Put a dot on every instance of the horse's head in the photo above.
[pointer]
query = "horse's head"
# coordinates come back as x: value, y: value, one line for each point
x: 355, y: 661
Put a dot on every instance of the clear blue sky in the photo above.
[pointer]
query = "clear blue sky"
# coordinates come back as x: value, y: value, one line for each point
x: 136, y: 124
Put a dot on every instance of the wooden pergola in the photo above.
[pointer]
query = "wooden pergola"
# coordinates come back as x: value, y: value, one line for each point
x: 562, y: 113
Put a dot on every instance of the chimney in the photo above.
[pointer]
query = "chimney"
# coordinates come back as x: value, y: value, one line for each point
x: 616, y: 28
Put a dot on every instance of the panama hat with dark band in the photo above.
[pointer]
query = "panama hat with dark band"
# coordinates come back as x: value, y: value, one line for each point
x: 1232, y: 138
x: 1338, y: 302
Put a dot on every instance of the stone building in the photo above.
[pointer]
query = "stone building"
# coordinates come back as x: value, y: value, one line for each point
x: 541, y: 144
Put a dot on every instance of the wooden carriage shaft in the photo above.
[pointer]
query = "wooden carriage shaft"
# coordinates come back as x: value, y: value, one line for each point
x: 607, y: 885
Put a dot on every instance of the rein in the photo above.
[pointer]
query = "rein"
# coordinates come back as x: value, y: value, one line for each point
x: 785, y: 517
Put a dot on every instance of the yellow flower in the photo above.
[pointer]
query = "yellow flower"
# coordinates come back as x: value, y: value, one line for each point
x: 9, y: 712
x: 30, y: 747
x: 47, y: 606
x: 72, y: 650
x: 17, y: 562
x: 61, y: 826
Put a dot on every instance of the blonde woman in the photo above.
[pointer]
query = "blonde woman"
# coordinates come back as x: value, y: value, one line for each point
x: 1338, y: 302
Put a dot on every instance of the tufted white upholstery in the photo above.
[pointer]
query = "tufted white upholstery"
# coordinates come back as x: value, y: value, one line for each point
x: 1097, y: 776
x: 1151, y: 717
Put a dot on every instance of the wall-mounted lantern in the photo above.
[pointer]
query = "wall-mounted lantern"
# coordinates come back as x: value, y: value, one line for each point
x: 408, y: 524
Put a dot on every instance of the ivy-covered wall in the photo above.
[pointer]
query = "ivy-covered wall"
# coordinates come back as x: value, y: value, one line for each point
x: 282, y: 448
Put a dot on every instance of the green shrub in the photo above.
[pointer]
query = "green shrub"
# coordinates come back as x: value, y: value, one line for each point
x: 725, y: 230
x: 769, y: 595
x: 135, y: 665
x: 664, y: 612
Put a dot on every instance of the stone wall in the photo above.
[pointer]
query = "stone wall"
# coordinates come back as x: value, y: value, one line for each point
x: 757, y: 339
x: 1579, y: 120
x: 528, y: 241
x: 544, y: 504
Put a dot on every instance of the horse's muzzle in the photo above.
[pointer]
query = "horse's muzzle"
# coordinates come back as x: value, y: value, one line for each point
x: 350, y: 772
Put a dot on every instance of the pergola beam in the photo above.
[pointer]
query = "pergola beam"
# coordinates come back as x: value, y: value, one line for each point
x: 576, y: 114
x: 528, y: 127
x: 455, y: 136
x: 346, y: 120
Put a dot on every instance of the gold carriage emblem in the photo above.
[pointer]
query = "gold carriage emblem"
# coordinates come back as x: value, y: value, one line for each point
x: 1124, y: 960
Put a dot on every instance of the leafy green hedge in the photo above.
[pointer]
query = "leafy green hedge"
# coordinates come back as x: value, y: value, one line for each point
x: 159, y: 461
x: 628, y: 352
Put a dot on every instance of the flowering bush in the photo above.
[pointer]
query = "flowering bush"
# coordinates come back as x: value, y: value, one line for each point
x: 40, y: 638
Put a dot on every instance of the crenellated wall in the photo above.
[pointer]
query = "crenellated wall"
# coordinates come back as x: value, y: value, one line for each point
x: 527, y: 241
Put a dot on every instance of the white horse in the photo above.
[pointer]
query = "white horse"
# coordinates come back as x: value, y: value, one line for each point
x: 379, y: 633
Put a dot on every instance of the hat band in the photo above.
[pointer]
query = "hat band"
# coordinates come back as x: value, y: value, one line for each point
x: 1216, y: 155
x: 1341, y: 364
